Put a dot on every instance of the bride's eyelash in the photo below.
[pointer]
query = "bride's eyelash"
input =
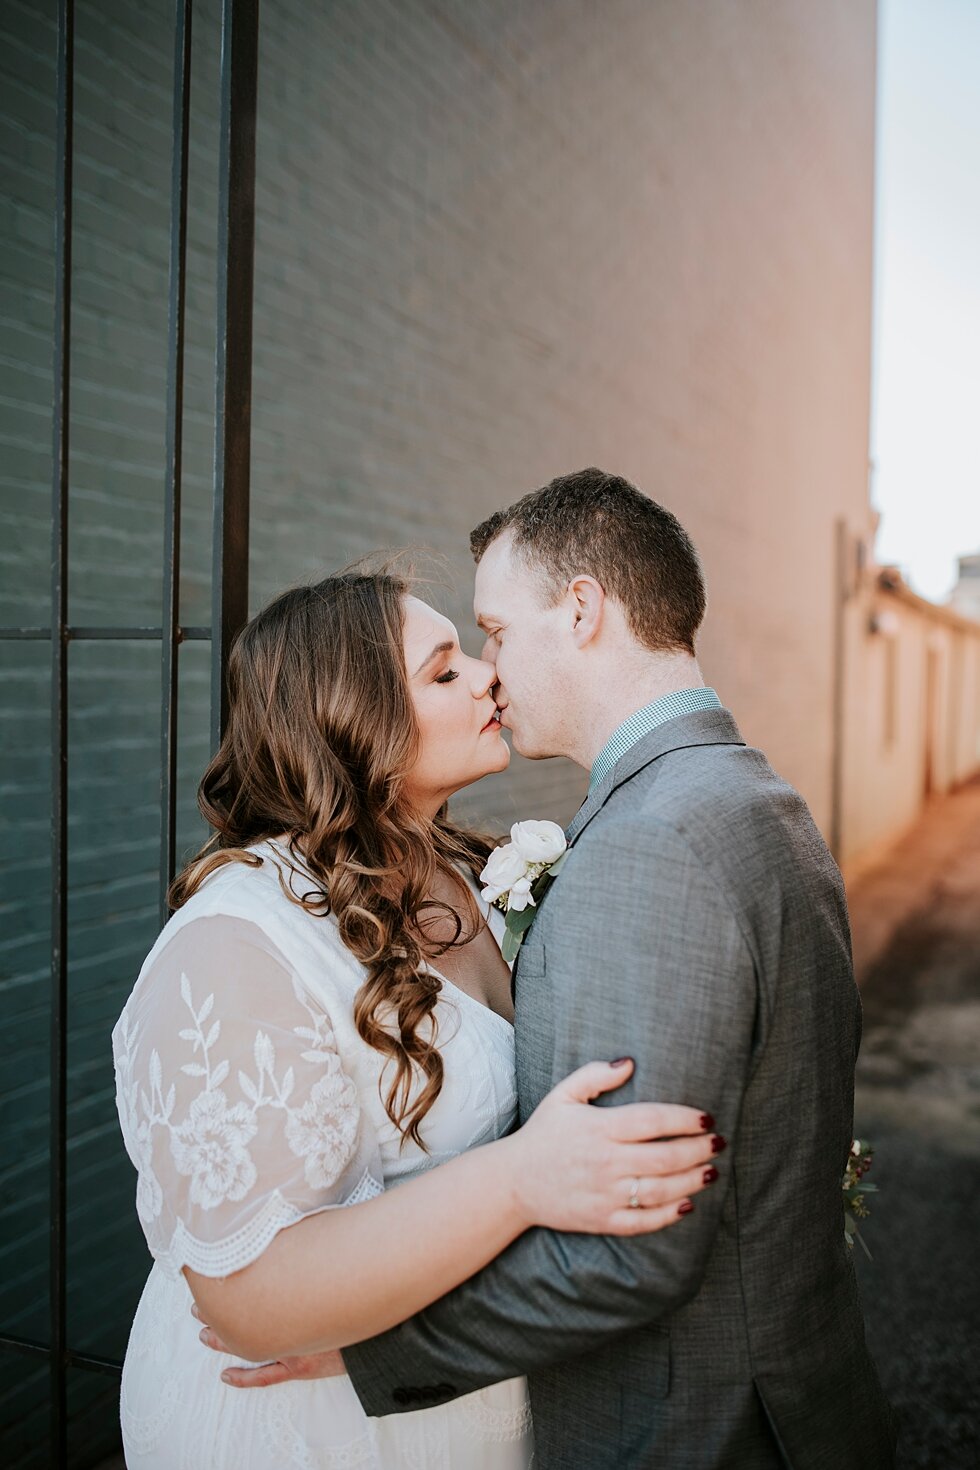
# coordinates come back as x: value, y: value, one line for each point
x: 447, y: 677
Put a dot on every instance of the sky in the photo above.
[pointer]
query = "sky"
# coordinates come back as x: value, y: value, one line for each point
x: 925, y: 431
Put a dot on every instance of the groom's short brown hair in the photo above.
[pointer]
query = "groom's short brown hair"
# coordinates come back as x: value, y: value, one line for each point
x: 599, y: 525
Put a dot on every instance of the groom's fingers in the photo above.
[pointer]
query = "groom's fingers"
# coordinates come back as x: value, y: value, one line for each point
x: 314, y: 1365
x: 211, y: 1339
x: 264, y: 1376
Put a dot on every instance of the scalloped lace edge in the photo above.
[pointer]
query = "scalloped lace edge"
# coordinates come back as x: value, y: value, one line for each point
x: 235, y: 1252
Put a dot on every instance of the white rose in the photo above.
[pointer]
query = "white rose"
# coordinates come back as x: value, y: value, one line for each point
x: 504, y: 868
x: 538, y: 842
x: 520, y: 895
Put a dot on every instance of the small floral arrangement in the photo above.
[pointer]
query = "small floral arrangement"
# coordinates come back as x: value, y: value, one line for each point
x: 518, y: 873
x: 855, y: 1209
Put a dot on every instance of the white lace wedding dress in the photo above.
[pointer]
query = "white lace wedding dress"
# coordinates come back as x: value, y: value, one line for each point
x: 247, y: 1101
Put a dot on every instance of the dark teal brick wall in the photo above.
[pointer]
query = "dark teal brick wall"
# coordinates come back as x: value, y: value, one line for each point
x: 122, y: 170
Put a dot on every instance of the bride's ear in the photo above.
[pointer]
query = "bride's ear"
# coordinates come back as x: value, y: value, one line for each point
x: 586, y: 605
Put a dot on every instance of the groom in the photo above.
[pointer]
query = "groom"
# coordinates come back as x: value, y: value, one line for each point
x: 698, y: 925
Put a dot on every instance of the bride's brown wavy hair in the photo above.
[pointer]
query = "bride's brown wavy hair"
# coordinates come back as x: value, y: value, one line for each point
x: 321, y: 735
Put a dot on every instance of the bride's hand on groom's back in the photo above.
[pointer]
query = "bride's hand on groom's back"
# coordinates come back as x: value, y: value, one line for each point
x: 627, y: 1170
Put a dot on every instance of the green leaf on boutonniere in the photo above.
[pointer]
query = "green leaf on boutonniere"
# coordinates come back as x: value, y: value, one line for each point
x: 518, y: 923
x: 520, y: 919
x: 510, y: 945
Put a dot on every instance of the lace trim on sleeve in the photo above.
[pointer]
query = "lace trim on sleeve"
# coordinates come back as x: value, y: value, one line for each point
x: 235, y: 1252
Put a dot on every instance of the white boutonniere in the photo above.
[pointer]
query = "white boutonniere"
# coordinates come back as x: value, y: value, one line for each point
x: 518, y: 873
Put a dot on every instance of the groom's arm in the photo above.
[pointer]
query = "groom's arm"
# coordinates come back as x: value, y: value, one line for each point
x: 652, y: 964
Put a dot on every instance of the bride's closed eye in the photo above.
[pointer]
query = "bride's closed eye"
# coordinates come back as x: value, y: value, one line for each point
x: 447, y: 677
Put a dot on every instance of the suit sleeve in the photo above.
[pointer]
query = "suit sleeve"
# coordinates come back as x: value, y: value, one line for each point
x: 651, y: 964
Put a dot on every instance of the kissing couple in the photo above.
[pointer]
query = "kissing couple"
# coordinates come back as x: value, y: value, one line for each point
x: 589, y: 1213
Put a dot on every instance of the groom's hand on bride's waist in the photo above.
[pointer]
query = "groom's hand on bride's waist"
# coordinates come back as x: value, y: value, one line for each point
x: 264, y: 1375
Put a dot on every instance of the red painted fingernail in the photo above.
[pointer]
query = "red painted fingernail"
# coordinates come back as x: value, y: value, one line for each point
x: 707, y: 1122
x: 718, y: 1144
x: 710, y: 1175
x: 685, y: 1208
x: 620, y: 1061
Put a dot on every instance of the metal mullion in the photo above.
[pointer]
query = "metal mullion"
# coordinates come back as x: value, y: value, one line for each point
x: 170, y: 632
x: 233, y: 367
x: 59, y: 729
x: 25, y: 1346
x: 91, y: 1361
x: 103, y: 635
x: 76, y: 634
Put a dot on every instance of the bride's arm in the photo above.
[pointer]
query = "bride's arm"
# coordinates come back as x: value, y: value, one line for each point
x: 346, y: 1274
x: 257, y: 1165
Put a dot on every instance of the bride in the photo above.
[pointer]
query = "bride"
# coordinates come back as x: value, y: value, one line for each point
x: 326, y: 1022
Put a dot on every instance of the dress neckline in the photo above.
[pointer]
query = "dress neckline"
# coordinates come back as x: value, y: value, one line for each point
x: 485, y: 908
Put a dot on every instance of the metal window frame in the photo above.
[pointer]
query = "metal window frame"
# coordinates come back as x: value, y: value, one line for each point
x: 233, y: 377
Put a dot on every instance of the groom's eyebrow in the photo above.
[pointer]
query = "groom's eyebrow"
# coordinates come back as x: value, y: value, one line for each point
x: 439, y: 648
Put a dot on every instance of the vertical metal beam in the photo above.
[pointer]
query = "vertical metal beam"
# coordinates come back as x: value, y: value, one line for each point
x: 59, y: 728
x: 170, y: 635
x: 236, y: 252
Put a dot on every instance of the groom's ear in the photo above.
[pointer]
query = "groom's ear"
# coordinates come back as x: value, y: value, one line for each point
x: 586, y: 602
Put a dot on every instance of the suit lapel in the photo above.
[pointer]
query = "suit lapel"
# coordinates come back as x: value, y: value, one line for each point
x: 702, y: 727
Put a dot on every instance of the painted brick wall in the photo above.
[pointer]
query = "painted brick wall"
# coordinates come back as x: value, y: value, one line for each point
x: 496, y: 241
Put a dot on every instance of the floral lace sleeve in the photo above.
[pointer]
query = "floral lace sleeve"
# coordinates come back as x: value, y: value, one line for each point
x: 234, y: 1103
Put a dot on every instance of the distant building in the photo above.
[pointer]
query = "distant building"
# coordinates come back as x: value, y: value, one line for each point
x: 965, y: 597
x: 910, y: 728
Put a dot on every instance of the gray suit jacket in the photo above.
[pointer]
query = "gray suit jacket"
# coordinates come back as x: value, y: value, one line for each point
x: 698, y: 925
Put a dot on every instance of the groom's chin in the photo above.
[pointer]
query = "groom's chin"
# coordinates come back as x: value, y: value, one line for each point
x: 530, y: 752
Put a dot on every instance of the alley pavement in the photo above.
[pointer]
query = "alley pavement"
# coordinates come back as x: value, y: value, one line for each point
x: 916, y: 923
